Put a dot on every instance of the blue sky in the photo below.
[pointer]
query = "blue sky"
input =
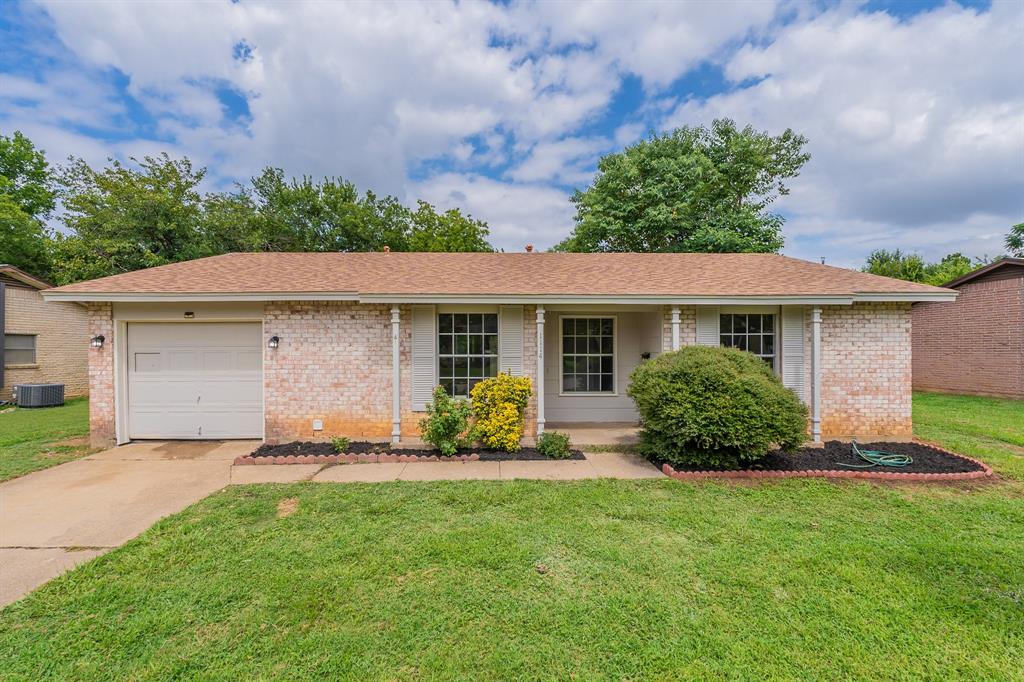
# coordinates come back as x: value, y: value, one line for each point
x: 914, y: 110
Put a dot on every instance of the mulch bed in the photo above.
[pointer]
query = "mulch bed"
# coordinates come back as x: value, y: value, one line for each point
x: 306, y: 452
x: 930, y: 463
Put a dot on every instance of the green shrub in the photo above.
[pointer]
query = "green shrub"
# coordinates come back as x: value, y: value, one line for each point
x: 340, y: 443
x: 554, y: 445
x: 446, y: 422
x: 714, y: 407
x: 498, y: 406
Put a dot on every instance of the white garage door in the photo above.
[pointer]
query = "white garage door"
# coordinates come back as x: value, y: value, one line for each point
x: 195, y: 380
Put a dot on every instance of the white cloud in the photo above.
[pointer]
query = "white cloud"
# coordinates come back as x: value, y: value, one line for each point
x: 516, y: 213
x: 916, y: 127
x: 569, y: 161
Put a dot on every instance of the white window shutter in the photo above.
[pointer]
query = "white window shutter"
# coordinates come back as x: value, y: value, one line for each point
x: 510, y: 339
x: 708, y: 326
x: 793, y: 348
x: 424, y: 355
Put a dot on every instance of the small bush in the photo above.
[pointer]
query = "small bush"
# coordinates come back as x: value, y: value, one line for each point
x: 340, y: 443
x: 498, y: 406
x: 446, y: 422
x: 554, y: 445
x: 714, y: 407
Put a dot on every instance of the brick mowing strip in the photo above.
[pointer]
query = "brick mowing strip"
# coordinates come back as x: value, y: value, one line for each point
x: 352, y: 458
x: 985, y: 472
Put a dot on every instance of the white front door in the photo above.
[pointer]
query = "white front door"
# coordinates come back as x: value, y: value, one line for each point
x: 195, y: 380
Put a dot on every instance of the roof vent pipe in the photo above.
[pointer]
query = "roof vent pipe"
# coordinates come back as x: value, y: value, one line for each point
x: 387, y: 249
x: 529, y: 248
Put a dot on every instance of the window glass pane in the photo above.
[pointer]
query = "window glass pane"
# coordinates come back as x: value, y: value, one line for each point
x: 447, y: 383
x: 606, y: 344
x: 754, y: 324
x: 739, y: 324
x: 739, y: 342
x: 581, y: 327
x: 491, y: 367
x: 606, y: 327
x: 581, y: 345
x: 444, y: 344
x: 446, y: 366
x: 568, y: 326
x: 568, y: 364
x: 768, y: 345
x: 606, y: 365
x: 587, y: 354
x: 606, y: 383
x: 476, y: 344
x: 491, y: 344
x: 476, y: 367
x: 594, y: 344
x: 568, y: 344
x: 725, y: 324
x: 461, y: 344
x: 491, y: 324
x: 594, y: 327
x: 461, y: 367
x: 476, y: 324
x: 465, y: 358
x: 19, y: 342
x: 754, y: 333
x: 20, y: 356
x: 444, y: 323
x: 461, y: 323
x: 594, y: 382
x: 754, y: 344
x: 768, y: 323
x: 460, y: 387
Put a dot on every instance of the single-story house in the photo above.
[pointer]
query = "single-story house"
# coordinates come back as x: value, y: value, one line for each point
x: 976, y: 344
x: 43, y: 341
x: 287, y: 346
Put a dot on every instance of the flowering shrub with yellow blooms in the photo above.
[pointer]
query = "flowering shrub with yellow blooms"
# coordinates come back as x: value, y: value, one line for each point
x: 498, y: 406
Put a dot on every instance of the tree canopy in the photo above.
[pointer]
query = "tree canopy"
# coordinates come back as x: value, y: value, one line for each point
x: 1015, y: 240
x: 913, y: 268
x: 691, y: 189
x: 27, y: 198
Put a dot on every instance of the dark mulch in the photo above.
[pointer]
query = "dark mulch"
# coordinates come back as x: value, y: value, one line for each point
x: 927, y: 460
x: 359, y: 447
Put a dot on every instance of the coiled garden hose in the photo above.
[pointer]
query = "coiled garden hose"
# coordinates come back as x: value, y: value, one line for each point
x: 878, y: 458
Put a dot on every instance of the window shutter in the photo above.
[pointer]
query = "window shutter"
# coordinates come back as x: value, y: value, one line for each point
x: 793, y: 348
x: 510, y: 339
x: 708, y: 326
x: 424, y: 355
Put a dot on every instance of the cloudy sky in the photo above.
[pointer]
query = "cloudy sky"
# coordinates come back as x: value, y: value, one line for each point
x: 914, y: 110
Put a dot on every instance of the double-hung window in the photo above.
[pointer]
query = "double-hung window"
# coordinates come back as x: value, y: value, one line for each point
x: 752, y: 332
x: 19, y: 349
x: 467, y: 350
x: 588, y: 355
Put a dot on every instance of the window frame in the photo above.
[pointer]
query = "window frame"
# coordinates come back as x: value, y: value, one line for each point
x: 776, y: 313
x: 35, y: 351
x: 615, y: 355
x: 437, y: 343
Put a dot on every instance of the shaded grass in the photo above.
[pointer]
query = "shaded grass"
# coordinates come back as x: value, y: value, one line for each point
x: 639, y: 579
x: 991, y: 429
x: 30, y: 438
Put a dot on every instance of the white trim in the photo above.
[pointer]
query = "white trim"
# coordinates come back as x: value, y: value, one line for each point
x: 396, y: 377
x: 615, y: 356
x: 816, y: 374
x: 120, y: 351
x: 540, y: 370
x: 551, y: 299
x: 675, y: 328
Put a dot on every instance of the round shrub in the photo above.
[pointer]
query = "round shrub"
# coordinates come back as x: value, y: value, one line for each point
x: 499, y: 404
x: 714, y: 407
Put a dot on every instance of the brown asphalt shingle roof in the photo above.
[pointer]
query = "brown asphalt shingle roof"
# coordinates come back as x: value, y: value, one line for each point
x: 601, y: 274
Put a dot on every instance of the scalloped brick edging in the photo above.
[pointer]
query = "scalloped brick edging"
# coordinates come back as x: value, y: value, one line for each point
x: 353, y: 458
x: 985, y: 472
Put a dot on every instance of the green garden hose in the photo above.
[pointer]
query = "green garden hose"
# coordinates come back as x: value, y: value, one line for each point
x: 878, y: 458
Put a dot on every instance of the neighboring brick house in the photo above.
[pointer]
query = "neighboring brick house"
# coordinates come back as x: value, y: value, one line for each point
x: 310, y: 345
x: 44, y: 341
x: 974, y: 345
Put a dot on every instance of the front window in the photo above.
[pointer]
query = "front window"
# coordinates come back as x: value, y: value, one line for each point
x: 19, y: 349
x: 752, y: 332
x: 467, y: 349
x: 588, y: 359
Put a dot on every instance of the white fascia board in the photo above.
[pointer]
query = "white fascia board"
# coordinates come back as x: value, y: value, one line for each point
x: 916, y: 297
x: 608, y: 300
x: 193, y: 298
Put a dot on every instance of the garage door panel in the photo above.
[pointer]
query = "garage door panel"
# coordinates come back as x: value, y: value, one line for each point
x: 199, y: 380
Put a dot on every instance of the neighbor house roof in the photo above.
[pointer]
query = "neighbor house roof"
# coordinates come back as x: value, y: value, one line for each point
x: 1013, y: 263
x: 501, y: 276
x: 20, y: 275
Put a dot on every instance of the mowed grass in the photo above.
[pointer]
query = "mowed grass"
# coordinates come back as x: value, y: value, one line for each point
x: 544, y: 580
x: 32, y: 439
x: 990, y: 429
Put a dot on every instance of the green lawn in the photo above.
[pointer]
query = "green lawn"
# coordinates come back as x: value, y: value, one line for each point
x: 34, y: 439
x: 543, y: 580
x: 991, y: 429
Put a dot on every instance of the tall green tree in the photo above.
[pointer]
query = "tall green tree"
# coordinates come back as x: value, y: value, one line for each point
x: 448, y: 231
x: 913, y: 268
x: 692, y: 189
x: 125, y: 217
x: 1015, y: 240
x: 27, y: 198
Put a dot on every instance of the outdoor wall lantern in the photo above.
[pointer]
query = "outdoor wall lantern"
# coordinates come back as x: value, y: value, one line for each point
x: 97, y: 341
x: 273, y: 342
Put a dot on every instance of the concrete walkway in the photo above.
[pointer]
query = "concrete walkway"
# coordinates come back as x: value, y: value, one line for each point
x: 55, y: 519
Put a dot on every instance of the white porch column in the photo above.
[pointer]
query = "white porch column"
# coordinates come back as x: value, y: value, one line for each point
x: 396, y: 377
x: 675, y: 327
x: 816, y: 373
x: 540, y: 370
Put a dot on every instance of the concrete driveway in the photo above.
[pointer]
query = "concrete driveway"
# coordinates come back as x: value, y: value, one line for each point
x: 55, y: 519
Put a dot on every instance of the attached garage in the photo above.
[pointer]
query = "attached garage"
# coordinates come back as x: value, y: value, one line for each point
x: 194, y: 380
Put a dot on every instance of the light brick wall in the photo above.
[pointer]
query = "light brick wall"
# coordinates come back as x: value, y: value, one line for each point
x: 974, y: 345
x: 865, y: 371
x: 101, y: 376
x: 687, y: 326
x: 530, y: 365
x: 62, y: 341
